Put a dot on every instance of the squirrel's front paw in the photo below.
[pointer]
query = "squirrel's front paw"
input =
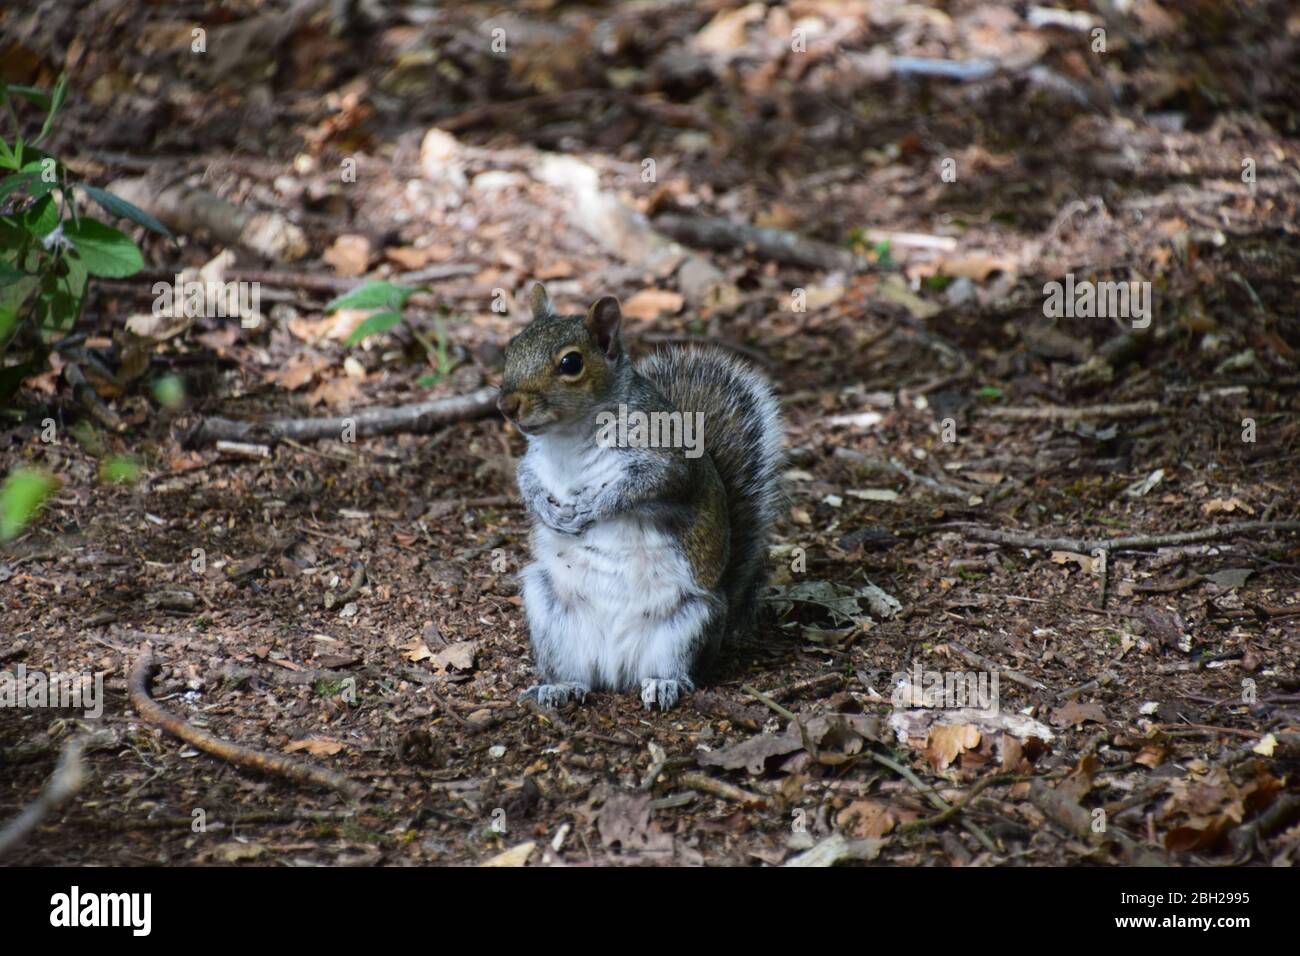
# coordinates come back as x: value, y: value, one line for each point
x: 569, y: 519
x: 564, y: 518
x: 551, y: 696
x: 664, y: 694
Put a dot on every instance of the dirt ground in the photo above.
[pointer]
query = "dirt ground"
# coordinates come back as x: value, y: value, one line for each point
x: 355, y: 603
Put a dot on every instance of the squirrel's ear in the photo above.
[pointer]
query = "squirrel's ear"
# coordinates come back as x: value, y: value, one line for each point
x: 603, y: 321
x: 539, y: 301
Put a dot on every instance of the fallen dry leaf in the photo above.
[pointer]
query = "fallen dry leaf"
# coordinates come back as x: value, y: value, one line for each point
x: 515, y: 856
x: 649, y: 304
x: 416, y: 650
x: 1074, y: 713
x: 1085, y: 562
x: 866, y: 818
x: 1229, y: 505
x: 947, y: 742
x: 456, y: 657
x: 334, y: 392
x: 316, y: 746
x: 349, y: 255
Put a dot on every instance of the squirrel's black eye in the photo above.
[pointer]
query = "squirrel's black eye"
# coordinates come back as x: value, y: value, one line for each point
x: 571, y: 363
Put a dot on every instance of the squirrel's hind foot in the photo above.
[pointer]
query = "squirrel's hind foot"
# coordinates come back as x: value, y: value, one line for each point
x: 551, y: 696
x: 664, y: 693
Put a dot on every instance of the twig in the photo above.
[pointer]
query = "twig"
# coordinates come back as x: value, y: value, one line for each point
x: 68, y: 777
x: 237, y: 754
x: 1061, y: 413
x: 941, y: 818
x: 1087, y: 546
x: 780, y: 245
x: 876, y: 461
x: 358, y: 581
x: 719, y: 788
x: 812, y: 683
x: 379, y: 420
x: 240, y: 449
x: 937, y: 801
x: 1182, y: 584
x: 988, y: 664
x: 652, y: 775
x: 346, y: 459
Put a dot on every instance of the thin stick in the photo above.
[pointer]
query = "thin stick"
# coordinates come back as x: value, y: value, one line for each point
x: 937, y: 801
x: 1061, y: 413
x: 68, y: 777
x: 719, y: 788
x: 980, y: 786
x: 1087, y: 546
x: 240, y: 756
x: 379, y: 420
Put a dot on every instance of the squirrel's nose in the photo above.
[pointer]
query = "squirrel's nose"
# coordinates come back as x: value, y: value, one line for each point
x: 510, y: 405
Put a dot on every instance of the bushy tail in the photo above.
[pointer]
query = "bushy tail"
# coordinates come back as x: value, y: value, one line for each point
x: 743, y: 435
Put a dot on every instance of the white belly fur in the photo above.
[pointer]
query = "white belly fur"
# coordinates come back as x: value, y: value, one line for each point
x: 626, y: 606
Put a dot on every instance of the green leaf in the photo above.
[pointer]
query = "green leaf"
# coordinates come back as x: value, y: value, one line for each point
x: 24, y: 491
x: 40, y: 218
x: 7, y: 158
x: 373, y: 295
x: 117, y: 206
x: 991, y: 392
x: 56, y: 103
x: 120, y: 471
x: 37, y: 96
x: 9, y: 273
x: 8, y: 319
x: 14, y: 295
x: 12, y: 184
x: 379, y: 322
x: 103, y: 250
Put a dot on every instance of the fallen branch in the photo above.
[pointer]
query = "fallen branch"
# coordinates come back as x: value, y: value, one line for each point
x: 1065, y: 413
x: 1089, y: 545
x: 240, y: 756
x: 417, y: 417
x: 69, y: 777
x: 721, y: 789
x: 186, y: 210
x: 781, y: 245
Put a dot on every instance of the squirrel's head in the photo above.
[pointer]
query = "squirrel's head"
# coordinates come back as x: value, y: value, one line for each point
x: 560, y: 368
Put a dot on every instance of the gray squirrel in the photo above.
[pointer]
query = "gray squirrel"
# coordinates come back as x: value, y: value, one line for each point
x: 653, y: 488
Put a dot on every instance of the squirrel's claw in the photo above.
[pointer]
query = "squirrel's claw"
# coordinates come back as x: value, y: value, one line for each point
x: 551, y: 696
x: 664, y: 694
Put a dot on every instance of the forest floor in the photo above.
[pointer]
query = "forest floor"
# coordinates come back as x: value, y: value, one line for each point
x: 355, y: 604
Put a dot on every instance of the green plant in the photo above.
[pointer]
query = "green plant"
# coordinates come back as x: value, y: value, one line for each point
x: 49, y: 250
x: 390, y: 299
x: 22, y: 495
